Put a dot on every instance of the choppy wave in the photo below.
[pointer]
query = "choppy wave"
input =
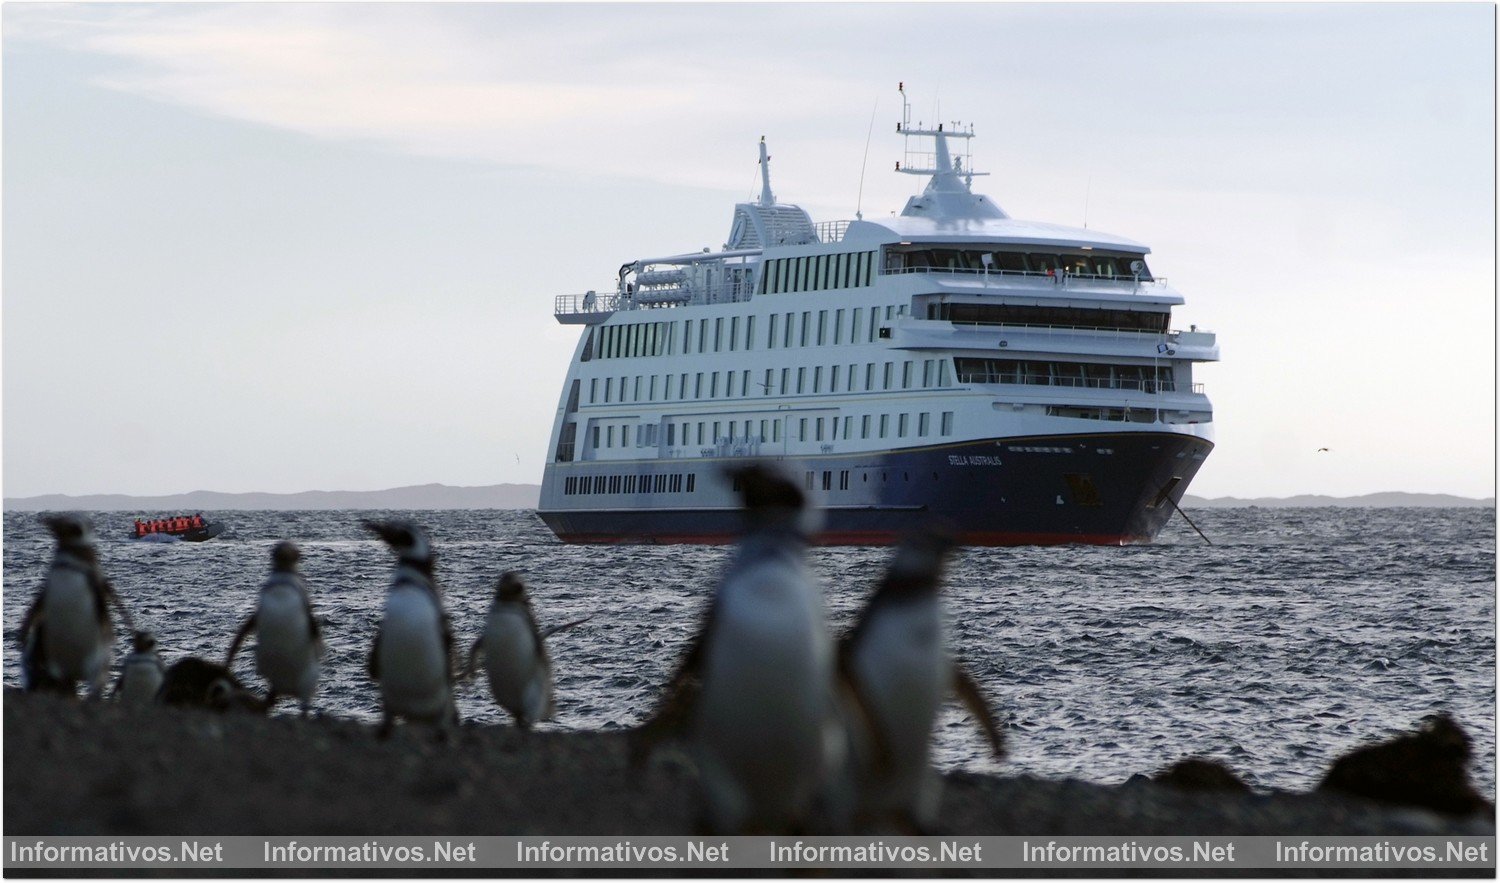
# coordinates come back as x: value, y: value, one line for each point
x: 1296, y: 636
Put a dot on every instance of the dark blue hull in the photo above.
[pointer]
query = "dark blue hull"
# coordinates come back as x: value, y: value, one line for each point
x: 1106, y: 488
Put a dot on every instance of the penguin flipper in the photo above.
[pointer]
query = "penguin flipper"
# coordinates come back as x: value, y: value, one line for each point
x: 671, y: 713
x: 448, y: 642
x: 104, y: 592
x: 34, y: 675
x: 968, y: 693
x: 473, y: 664
x: 239, y: 637
x: 373, y: 665
x: 846, y: 683
x: 31, y: 620
x: 551, y: 630
x: 313, y: 628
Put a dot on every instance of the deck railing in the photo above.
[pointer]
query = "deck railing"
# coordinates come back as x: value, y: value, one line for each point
x: 650, y: 298
x: 1145, y: 385
x: 588, y: 302
x: 1067, y: 330
x: 831, y: 231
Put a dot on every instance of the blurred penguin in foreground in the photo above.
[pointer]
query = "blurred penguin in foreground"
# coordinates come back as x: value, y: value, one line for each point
x: 67, y: 635
x: 412, y: 659
x: 896, y: 663
x: 754, y: 690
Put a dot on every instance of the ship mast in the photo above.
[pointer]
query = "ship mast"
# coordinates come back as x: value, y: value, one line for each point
x: 949, y: 192
x: 766, y: 197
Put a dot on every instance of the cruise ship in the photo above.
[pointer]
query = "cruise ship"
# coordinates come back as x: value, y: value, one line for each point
x: 1016, y: 381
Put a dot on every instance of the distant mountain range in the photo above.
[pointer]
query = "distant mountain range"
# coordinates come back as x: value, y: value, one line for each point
x: 422, y: 496
x: 524, y: 496
x: 1389, y: 500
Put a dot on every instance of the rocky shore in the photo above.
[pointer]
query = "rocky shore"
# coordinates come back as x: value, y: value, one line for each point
x: 105, y: 768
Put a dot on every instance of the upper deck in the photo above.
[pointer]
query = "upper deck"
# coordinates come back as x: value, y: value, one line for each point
x: 1006, y: 272
x: 948, y: 240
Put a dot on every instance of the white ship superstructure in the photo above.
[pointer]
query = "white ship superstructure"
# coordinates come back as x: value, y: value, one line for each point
x: 1019, y: 381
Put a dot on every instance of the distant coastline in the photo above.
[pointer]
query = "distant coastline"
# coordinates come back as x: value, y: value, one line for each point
x: 525, y: 496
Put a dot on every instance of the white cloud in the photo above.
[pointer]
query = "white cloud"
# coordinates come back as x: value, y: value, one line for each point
x: 524, y: 91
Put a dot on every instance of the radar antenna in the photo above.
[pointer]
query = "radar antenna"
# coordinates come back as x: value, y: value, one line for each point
x: 941, y: 162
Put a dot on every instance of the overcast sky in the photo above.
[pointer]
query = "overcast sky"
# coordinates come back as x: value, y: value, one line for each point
x: 289, y: 247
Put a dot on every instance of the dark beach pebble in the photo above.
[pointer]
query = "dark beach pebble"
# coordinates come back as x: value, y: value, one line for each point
x: 1201, y: 774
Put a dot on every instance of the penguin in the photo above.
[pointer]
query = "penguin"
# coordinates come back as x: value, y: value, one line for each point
x: 141, y: 672
x: 897, y: 664
x: 754, y: 691
x: 193, y: 682
x: 289, y: 645
x: 67, y: 635
x: 515, y: 654
x: 412, y: 657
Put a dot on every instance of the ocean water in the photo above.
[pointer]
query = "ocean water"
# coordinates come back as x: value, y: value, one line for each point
x: 1296, y: 636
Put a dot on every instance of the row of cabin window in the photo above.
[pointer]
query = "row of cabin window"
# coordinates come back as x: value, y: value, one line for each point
x: 1147, y: 378
x: 675, y: 483
x: 730, y: 334
x: 824, y: 327
x: 716, y: 433
x: 875, y: 377
x: 809, y: 481
x: 818, y: 272
x: 1072, y: 317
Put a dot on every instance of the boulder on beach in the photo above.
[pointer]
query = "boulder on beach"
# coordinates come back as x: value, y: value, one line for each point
x: 1201, y: 774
